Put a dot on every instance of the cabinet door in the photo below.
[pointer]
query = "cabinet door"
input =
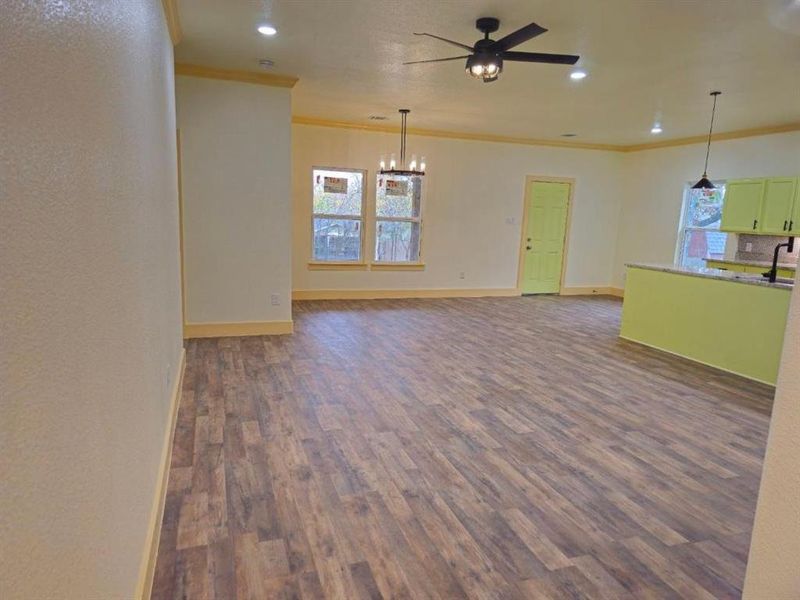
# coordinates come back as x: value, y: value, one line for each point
x: 742, y: 206
x: 794, y: 222
x: 712, y: 264
x: 776, y: 208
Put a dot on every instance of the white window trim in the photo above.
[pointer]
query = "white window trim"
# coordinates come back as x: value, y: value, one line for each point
x: 682, y: 227
x: 418, y: 220
x: 313, y: 261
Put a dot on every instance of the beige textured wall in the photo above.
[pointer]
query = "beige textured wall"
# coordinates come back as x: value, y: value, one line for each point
x: 472, y: 208
x: 236, y: 164
x: 89, y: 290
x: 773, y: 569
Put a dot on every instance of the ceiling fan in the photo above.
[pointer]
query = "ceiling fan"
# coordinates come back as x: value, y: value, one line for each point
x: 486, y: 59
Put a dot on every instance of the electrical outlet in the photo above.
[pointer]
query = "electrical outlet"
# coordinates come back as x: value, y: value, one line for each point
x: 510, y: 220
x: 461, y: 275
x: 275, y: 299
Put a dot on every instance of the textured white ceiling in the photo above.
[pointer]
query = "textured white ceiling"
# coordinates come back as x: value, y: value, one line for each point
x: 646, y: 59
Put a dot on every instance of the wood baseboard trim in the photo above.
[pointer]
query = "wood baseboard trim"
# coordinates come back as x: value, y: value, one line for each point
x: 148, y: 566
x: 597, y: 290
x: 237, y: 329
x: 398, y: 294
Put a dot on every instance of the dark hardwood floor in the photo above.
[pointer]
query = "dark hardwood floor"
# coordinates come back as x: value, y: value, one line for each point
x: 481, y: 448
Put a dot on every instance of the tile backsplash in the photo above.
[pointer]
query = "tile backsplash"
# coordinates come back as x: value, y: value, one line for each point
x: 763, y: 247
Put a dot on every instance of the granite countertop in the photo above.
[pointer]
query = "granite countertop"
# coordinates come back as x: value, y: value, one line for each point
x: 748, y: 278
x: 754, y: 263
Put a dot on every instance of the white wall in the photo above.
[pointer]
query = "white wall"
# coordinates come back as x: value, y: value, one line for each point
x: 773, y: 570
x: 655, y: 180
x: 236, y: 153
x: 472, y: 188
x: 90, y: 322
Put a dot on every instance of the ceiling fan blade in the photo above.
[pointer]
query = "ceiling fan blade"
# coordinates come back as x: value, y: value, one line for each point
x: 538, y: 57
x: 416, y: 62
x: 459, y: 44
x: 520, y: 35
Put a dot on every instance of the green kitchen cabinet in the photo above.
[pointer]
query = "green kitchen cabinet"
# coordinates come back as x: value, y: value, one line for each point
x: 794, y: 222
x: 777, y: 205
x: 745, y: 268
x: 725, y: 266
x: 742, y: 207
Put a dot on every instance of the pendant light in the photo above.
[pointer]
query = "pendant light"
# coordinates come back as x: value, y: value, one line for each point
x: 704, y: 183
x: 412, y: 169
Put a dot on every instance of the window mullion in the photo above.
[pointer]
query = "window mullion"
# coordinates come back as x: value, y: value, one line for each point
x: 338, y: 217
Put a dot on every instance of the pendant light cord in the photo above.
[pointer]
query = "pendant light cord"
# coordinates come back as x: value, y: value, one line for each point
x: 710, y: 129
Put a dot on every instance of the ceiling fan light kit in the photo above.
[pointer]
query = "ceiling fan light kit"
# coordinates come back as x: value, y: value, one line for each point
x: 485, y: 61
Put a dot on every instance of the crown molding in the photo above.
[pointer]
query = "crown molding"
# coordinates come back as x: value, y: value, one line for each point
x: 484, y: 137
x: 458, y: 135
x: 173, y: 20
x: 717, y: 137
x: 270, y: 79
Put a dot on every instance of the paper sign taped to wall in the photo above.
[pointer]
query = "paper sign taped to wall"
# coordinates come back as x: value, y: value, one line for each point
x: 335, y: 185
x: 396, y: 188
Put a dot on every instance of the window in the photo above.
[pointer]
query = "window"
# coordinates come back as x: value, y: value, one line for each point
x: 338, y: 215
x: 700, y: 237
x: 398, y: 203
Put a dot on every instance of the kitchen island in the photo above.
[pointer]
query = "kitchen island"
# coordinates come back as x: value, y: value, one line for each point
x: 725, y: 319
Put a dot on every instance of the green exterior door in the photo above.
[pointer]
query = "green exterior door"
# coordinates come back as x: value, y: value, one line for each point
x: 742, y: 207
x: 544, y: 237
x: 794, y: 222
x: 776, y: 210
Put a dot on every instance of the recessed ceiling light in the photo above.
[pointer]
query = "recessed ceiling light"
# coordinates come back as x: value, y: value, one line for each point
x: 577, y: 75
x: 656, y: 129
x: 266, y: 63
x: 267, y: 30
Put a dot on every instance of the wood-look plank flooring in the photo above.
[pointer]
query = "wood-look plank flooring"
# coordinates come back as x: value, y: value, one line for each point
x: 458, y: 448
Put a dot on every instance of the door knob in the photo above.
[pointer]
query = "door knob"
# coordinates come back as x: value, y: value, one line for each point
x: 528, y: 247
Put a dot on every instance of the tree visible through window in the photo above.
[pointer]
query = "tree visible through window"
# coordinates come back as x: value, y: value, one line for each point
x: 338, y: 215
x: 398, y: 210
x: 700, y: 237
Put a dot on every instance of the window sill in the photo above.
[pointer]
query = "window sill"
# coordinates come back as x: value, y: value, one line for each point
x: 337, y: 266
x: 398, y: 266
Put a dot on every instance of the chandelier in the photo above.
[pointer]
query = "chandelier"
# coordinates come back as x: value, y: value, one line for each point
x: 411, y: 169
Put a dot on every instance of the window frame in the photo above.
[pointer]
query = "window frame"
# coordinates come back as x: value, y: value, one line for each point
x: 684, y: 228
x: 403, y: 264
x: 320, y: 264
